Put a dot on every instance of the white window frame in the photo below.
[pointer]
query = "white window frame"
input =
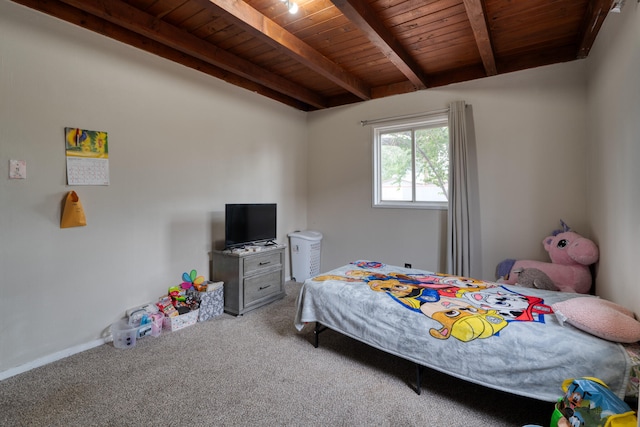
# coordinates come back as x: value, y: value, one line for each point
x: 432, y: 120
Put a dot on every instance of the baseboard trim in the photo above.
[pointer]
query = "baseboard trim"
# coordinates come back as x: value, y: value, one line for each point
x: 57, y: 356
x: 50, y: 358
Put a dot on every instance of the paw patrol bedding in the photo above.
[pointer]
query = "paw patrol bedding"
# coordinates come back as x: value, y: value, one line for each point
x: 501, y: 336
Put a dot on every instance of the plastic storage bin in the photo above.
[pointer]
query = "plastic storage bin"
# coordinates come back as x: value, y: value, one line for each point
x: 157, y: 321
x: 124, y: 335
x: 305, y: 254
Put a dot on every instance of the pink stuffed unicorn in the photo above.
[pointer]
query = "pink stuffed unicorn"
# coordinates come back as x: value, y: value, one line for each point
x: 571, y: 255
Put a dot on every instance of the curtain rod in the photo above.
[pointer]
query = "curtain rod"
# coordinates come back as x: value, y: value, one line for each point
x: 408, y: 116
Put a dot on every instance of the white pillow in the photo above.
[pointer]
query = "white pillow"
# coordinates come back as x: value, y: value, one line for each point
x: 599, y: 317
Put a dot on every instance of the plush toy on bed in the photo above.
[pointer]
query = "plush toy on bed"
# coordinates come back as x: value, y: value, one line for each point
x: 571, y: 255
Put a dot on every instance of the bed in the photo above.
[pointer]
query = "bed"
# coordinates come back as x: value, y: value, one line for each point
x: 501, y: 336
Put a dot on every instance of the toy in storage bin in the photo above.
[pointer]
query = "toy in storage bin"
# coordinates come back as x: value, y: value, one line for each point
x: 124, y: 335
x: 211, y: 301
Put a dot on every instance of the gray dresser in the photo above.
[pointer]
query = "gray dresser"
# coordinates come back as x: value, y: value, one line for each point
x: 251, y: 279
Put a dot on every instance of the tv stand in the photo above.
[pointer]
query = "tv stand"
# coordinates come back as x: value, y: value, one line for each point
x: 251, y: 279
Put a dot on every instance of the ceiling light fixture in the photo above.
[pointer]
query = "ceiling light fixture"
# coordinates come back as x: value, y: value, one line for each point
x: 291, y: 6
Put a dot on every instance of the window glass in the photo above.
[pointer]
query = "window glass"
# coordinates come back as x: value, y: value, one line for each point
x: 396, y: 170
x: 411, y: 164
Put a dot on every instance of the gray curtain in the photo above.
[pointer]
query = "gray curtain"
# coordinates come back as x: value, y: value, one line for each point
x: 459, y: 220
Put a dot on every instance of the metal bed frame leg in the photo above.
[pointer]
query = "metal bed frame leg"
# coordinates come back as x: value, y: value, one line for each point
x: 419, y: 370
x: 316, y: 332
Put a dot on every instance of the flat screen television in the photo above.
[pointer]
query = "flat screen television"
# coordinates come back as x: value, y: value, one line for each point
x: 249, y: 223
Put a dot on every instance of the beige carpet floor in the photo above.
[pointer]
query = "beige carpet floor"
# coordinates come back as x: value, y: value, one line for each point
x: 255, y: 369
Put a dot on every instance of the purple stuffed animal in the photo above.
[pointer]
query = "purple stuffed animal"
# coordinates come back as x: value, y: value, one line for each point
x: 571, y: 255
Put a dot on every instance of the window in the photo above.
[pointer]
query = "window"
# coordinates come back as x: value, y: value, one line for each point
x: 411, y: 164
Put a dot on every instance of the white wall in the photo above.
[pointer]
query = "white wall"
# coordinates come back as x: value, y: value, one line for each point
x: 554, y: 142
x: 614, y: 171
x: 182, y: 144
x: 531, y: 143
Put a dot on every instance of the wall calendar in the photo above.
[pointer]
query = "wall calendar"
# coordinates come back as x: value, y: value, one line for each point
x: 87, y: 153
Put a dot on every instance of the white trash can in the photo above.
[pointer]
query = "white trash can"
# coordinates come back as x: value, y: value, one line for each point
x: 305, y: 254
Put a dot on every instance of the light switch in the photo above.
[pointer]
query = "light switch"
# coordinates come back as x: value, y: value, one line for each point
x: 17, y: 169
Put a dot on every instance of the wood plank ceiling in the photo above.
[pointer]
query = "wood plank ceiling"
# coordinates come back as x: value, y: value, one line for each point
x: 336, y: 52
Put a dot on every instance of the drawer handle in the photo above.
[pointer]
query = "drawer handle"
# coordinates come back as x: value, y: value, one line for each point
x: 264, y: 287
x: 265, y: 263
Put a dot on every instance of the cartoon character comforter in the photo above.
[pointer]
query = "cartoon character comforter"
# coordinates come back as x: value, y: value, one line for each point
x: 503, y: 337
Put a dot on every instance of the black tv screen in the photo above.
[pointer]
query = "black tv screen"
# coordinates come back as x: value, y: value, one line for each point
x: 249, y: 223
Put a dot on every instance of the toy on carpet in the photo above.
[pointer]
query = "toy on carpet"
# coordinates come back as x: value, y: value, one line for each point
x: 570, y: 254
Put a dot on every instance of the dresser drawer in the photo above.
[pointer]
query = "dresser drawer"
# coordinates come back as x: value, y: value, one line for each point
x: 262, y: 286
x: 251, y: 279
x: 255, y: 263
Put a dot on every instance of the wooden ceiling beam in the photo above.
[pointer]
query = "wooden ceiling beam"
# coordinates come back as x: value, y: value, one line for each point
x: 478, y: 20
x: 597, y: 10
x: 360, y: 13
x: 115, y: 32
x: 123, y: 15
x: 266, y: 29
x: 436, y: 34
